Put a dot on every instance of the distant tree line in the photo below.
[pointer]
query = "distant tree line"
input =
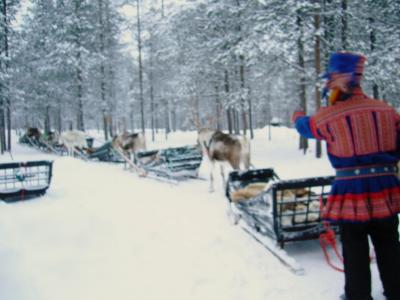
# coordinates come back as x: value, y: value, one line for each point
x: 227, y: 64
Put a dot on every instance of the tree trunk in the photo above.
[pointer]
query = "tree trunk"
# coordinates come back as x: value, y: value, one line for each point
x: 218, y: 107
x: 303, y: 142
x: 112, y: 103
x: 317, y: 53
x: 102, y: 72
x: 5, y: 101
x: 131, y: 117
x: 372, y: 38
x: 153, y: 123
x: 250, y: 116
x: 105, y: 129
x: 6, y: 52
x: 59, y: 118
x: 167, y: 121
x: 269, y: 112
x: 47, y: 127
x: 329, y: 26
x: 228, y: 110
x: 236, y: 121
x: 141, y: 98
x: 110, y: 125
x: 156, y: 125
x: 151, y: 82
x: 79, y: 77
x: 243, y: 100
x: 344, y: 25
x: 2, y: 125
x: 173, y: 117
x: 166, y: 126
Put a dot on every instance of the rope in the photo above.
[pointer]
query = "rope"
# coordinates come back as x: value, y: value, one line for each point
x: 328, y: 238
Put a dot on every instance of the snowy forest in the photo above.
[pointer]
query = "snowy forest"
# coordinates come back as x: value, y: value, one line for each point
x: 226, y: 64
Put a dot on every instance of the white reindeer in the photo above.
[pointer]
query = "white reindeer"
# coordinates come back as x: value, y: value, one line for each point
x: 73, y: 139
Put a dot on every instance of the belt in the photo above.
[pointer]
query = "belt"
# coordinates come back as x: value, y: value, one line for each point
x: 366, y: 171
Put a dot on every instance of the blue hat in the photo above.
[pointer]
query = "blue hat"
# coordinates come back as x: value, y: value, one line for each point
x: 346, y: 62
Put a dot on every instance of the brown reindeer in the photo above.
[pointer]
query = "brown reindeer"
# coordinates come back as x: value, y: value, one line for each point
x: 33, y: 133
x: 129, y: 143
x: 222, y: 147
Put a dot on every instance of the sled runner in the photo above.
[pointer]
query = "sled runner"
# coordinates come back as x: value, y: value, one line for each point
x: 178, y: 163
x: 24, y: 180
x: 278, y: 211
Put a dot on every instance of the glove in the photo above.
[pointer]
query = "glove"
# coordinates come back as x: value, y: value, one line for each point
x: 297, y: 114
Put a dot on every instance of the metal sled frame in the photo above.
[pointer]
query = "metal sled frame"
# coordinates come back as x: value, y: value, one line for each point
x: 42, y: 145
x: 106, y: 152
x: 266, y: 213
x: 263, y: 216
x: 177, y: 163
x: 310, y: 226
x: 24, y: 180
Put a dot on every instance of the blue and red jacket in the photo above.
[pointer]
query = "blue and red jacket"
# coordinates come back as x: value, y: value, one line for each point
x: 361, y: 139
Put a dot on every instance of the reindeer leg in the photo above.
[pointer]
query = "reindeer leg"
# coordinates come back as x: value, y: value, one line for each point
x: 211, y: 189
x: 126, y: 165
x: 223, y: 177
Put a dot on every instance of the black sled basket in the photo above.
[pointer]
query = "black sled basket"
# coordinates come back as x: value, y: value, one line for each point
x: 286, y: 210
x: 25, y: 180
x: 175, y: 163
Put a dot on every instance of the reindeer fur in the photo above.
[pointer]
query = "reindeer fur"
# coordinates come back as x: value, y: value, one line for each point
x: 222, y: 147
x: 129, y: 142
x: 73, y: 138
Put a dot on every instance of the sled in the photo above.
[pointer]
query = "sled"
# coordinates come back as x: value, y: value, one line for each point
x: 24, y: 180
x: 107, y: 153
x: 178, y: 163
x: 283, y: 211
x: 42, y: 145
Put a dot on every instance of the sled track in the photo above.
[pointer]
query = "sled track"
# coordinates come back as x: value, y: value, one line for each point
x: 274, y: 249
x: 267, y: 242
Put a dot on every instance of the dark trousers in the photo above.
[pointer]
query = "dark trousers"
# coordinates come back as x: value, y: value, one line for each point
x: 385, y: 238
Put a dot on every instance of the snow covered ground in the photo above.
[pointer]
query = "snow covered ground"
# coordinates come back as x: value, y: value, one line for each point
x: 103, y: 233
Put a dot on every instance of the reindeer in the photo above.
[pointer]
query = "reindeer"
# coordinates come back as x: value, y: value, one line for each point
x: 73, y: 139
x: 222, y: 147
x: 129, y: 143
x: 33, y: 133
x: 52, y: 137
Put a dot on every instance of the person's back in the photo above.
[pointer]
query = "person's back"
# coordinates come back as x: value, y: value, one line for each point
x: 358, y: 131
x: 361, y: 137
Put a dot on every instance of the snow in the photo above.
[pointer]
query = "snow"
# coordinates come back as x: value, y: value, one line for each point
x: 102, y: 232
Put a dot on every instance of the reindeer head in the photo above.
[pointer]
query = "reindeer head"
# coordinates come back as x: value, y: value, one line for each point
x: 204, y: 136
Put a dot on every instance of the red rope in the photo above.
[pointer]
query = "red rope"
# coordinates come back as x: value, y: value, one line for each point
x: 328, y: 238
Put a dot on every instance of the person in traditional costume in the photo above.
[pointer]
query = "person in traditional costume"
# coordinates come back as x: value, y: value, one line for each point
x: 361, y: 138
